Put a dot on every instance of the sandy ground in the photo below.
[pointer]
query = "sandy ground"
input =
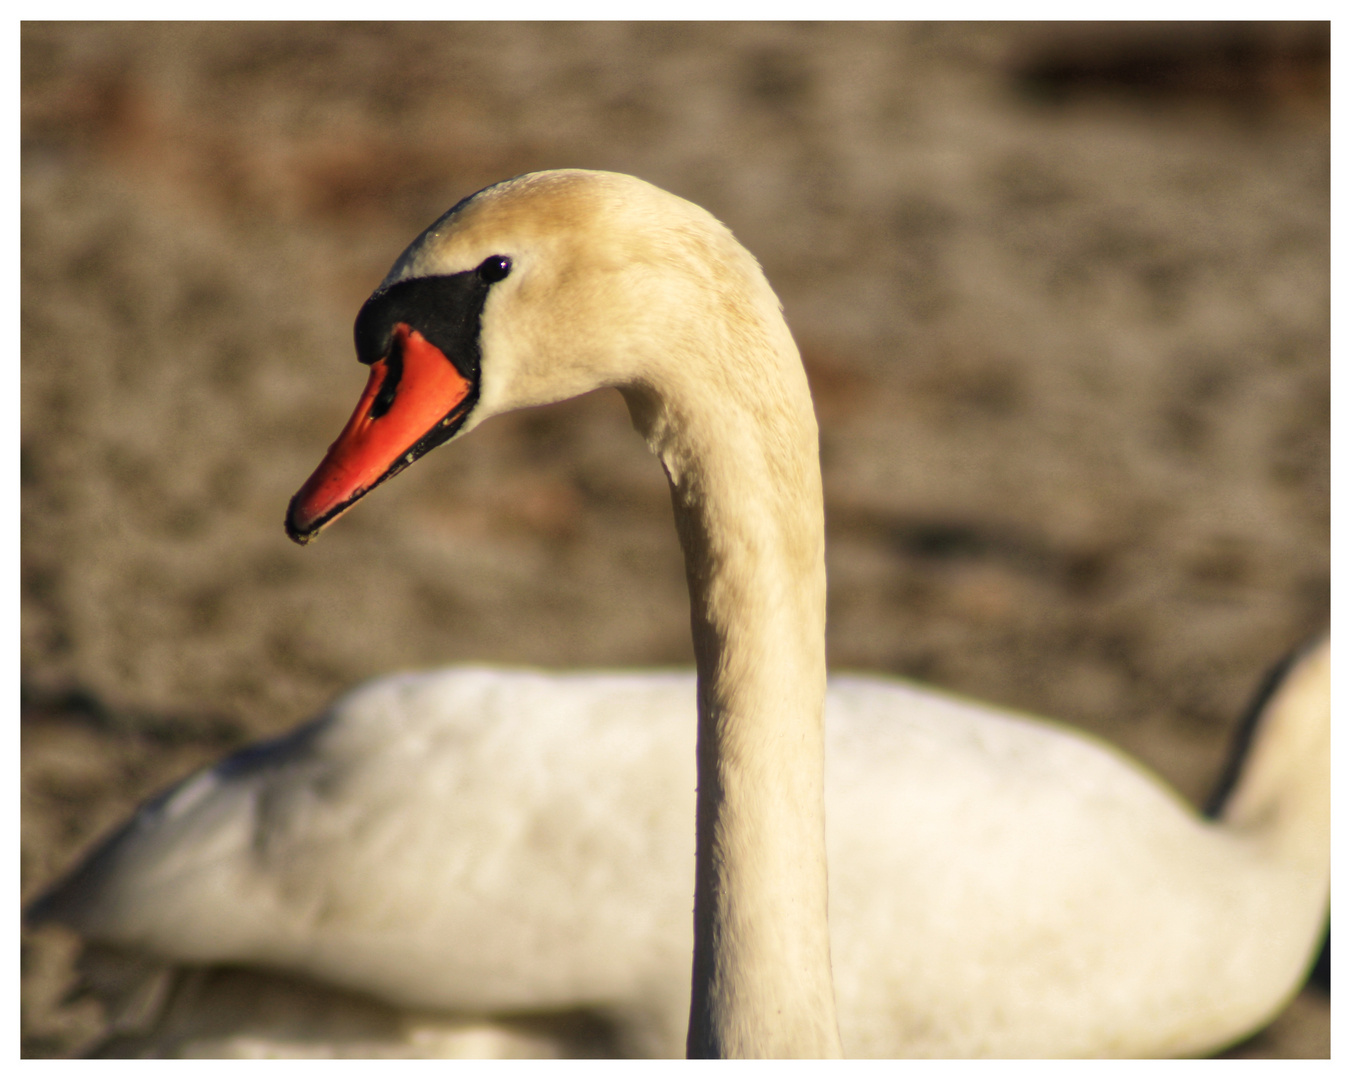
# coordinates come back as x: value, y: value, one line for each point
x: 1063, y: 294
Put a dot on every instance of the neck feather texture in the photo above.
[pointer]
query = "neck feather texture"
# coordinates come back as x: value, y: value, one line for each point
x: 746, y: 487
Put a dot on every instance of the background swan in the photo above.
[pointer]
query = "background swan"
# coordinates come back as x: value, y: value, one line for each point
x: 480, y: 843
x: 1182, y: 854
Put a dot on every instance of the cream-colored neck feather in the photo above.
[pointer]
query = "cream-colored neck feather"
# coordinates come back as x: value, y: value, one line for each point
x: 740, y: 450
x: 745, y: 485
x: 617, y: 283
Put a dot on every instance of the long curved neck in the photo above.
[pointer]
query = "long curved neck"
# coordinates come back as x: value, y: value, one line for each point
x: 746, y: 487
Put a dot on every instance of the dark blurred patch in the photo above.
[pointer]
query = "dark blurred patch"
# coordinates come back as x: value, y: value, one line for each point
x: 837, y: 388
x: 951, y: 542
x: 1298, y: 448
x: 1245, y: 67
x: 101, y: 106
x: 974, y: 386
x: 1194, y: 406
x: 1320, y: 978
x: 333, y: 172
x: 79, y: 704
x: 777, y: 79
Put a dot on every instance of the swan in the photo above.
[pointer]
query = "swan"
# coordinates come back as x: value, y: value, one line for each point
x: 489, y: 842
x: 485, y: 843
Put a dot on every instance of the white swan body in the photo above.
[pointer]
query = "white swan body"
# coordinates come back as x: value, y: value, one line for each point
x: 482, y: 842
x: 530, y: 870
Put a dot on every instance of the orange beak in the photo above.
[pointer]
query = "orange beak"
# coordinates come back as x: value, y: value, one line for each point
x: 415, y: 400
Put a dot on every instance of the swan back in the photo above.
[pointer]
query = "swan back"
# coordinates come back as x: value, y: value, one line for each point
x: 476, y: 840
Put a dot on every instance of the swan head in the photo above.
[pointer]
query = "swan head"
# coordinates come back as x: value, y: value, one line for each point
x: 532, y: 291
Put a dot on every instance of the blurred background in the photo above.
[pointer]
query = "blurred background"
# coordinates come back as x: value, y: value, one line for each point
x: 1062, y: 293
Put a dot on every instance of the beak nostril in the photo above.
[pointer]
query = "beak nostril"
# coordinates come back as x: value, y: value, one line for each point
x: 389, y: 386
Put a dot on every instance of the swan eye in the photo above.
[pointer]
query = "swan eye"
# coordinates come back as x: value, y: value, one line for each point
x: 494, y: 268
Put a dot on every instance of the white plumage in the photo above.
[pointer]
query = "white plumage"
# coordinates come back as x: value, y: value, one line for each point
x: 483, y: 841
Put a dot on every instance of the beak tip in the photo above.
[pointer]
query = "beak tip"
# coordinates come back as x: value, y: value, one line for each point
x: 301, y: 532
